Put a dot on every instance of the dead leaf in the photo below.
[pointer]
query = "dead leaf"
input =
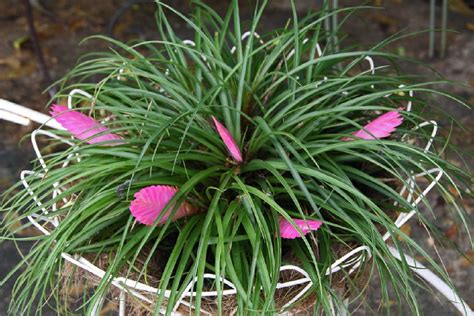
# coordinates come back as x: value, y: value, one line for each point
x: 76, y: 290
x: 406, y: 229
x: 468, y: 259
x: 387, y: 303
x: 111, y: 306
x: 11, y: 62
x: 17, y: 66
x: 16, y: 226
x: 14, y: 223
x: 379, y: 3
x: 49, y: 30
x: 77, y: 24
x: 386, y: 23
x: 453, y: 191
x: 461, y: 6
x: 468, y: 205
x: 18, y: 43
x: 452, y: 232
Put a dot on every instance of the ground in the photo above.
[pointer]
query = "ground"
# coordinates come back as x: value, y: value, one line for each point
x: 62, y: 24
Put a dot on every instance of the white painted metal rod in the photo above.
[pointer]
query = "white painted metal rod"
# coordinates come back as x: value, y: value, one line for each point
x: 435, y: 281
x: 22, y: 115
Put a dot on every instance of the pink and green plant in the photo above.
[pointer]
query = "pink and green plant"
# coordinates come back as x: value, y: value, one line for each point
x: 83, y: 127
x: 299, y: 176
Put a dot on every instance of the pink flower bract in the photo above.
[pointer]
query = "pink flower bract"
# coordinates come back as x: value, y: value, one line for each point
x: 150, y: 201
x: 82, y: 126
x: 381, y: 127
x: 229, y: 141
x: 287, y: 230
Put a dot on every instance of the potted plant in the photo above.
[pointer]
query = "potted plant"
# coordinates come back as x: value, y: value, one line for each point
x: 231, y: 174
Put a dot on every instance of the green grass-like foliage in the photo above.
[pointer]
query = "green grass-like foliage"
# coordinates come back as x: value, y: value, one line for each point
x: 288, y: 121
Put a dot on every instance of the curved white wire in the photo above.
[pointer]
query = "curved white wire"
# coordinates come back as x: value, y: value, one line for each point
x: 371, y: 64
x: 189, y: 43
x: 306, y: 279
x: 372, y: 72
x: 73, y: 93
x: 411, y: 181
x: 372, y: 67
x: 318, y: 51
x: 121, y: 71
x: 410, y: 93
x: 349, y: 260
x: 193, y: 44
x: 244, y: 36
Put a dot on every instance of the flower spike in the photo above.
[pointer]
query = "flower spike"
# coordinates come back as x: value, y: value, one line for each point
x: 382, y: 126
x: 82, y: 126
x: 287, y: 231
x: 150, y: 201
x: 228, y: 140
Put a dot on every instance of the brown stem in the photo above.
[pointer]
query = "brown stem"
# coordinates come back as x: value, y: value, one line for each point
x: 37, y: 48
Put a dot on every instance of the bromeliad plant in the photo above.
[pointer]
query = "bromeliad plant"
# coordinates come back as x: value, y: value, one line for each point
x: 232, y: 155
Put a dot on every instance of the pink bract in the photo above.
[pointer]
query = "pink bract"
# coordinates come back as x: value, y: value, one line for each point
x: 83, y: 127
x: 287, y: 230
x: 229, y: 141
x: 150, y: 201
x: 382, y: 126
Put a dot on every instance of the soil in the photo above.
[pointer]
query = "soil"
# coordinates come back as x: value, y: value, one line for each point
x: 62, y: 24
